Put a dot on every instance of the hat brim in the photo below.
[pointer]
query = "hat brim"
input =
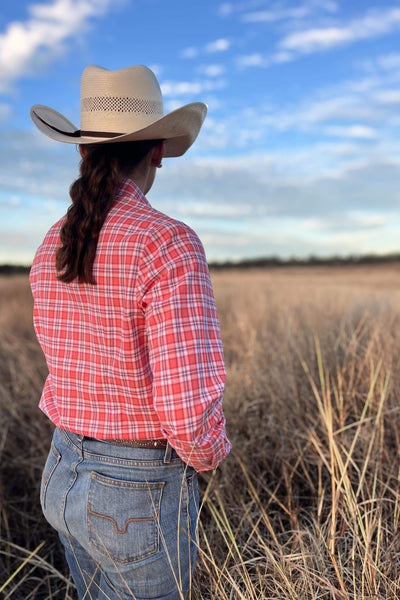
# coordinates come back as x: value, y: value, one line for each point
x: 178, y: 128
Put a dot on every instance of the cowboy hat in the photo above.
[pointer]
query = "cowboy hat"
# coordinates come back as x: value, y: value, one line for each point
x: 123, y: 106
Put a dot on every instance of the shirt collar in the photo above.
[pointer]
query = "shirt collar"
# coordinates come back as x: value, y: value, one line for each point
x: 129, y: 190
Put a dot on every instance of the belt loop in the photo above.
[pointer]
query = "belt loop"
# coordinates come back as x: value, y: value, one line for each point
x: 79, y: 439
x: 167, y: 454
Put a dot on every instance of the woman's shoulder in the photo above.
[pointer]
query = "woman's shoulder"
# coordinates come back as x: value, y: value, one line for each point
x: 139, y: 223
x: 167, y: 231
x: 52, y: 238
x: 133, y: 215
x: 164, y: 224
x: 44, y: 256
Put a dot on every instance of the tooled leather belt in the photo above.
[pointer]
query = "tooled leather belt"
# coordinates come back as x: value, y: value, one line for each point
x: 160, y: 443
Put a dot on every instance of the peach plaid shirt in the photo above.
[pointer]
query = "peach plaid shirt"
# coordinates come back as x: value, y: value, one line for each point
x: 139, y: 355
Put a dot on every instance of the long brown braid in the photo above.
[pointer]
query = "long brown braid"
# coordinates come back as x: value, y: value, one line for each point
x: 102, y: 170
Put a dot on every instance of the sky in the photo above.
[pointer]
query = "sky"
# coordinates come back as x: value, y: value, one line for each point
x: 299, y: 154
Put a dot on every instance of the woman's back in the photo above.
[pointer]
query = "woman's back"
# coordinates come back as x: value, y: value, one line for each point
x: 126, y: 355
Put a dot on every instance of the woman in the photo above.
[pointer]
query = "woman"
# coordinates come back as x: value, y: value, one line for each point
x: 125, y: 314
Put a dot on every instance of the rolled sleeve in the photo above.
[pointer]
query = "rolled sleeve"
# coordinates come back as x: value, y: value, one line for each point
x: 185, y: 349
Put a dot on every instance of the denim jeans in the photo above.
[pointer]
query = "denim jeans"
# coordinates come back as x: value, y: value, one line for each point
x: 127, y: 517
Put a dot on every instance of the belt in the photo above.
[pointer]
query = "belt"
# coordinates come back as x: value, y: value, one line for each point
x: 160, y: 443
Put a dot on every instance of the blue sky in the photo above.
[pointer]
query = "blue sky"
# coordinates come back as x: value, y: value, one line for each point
x: 300, y: 151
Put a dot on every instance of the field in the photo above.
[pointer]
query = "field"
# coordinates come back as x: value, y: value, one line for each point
x: 307, y: 505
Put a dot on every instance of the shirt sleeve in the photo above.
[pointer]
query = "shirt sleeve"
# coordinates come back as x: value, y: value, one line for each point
x: 185, y: 350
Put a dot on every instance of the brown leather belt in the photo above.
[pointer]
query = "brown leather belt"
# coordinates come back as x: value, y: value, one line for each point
x: 161, y: 443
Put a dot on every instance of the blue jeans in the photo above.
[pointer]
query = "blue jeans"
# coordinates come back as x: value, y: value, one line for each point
x: 127, y: 517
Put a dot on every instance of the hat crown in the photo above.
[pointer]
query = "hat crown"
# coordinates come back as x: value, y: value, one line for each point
x: 116, y: 101
x: 123, y: 106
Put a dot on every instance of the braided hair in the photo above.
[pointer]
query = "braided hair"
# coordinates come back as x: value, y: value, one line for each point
x: 102, y: 169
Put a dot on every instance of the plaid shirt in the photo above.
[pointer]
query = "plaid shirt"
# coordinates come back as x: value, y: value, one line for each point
x: 139, y: 355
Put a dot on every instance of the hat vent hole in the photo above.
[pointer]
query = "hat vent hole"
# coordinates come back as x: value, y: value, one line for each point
x: 115, y: 104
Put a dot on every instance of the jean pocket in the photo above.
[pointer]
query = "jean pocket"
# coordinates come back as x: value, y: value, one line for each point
x: 123, y: 518
x: 51, y: 463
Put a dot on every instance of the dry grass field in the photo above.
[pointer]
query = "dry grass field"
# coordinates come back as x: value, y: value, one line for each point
x: 307, y: 505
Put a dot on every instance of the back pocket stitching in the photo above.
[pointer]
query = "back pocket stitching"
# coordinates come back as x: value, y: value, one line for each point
x: 126, y: 522
x: 94, y: 535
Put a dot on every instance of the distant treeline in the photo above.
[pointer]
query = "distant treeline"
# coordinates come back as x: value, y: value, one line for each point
x: 268, y: 262
x: 14, y: 269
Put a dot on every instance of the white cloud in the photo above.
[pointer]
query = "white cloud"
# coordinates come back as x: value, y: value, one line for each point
x: 374, y: 24
x: 204, y: 209
x: 345, y: 105
x: 41, y: 37
x: 220, y: 45
x: 212, y: 70
x: 328, y: 5
x: 373, y: 220
x: 269, y: 16
x: 190, y: 88
x: 388, y: 97
x: 5, y: 112
x: 282, y: 57
x: 181, y: 88
x: 14, y: 201
x: 250, y: 11
x: 389, y: 61
x: 190, y: 52
x: 226, y: 9
x: 157, y: 69
x: 352, y: 131
x: 252, y: 60
x: 317, y: 39
x: 385, y: 67
x: 258, y: 60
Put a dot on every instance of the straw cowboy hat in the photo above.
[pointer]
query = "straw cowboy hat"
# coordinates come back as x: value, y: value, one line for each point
x: 123, y: 106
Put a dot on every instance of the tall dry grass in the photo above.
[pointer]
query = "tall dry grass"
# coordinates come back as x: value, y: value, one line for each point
x: 307, y: 505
